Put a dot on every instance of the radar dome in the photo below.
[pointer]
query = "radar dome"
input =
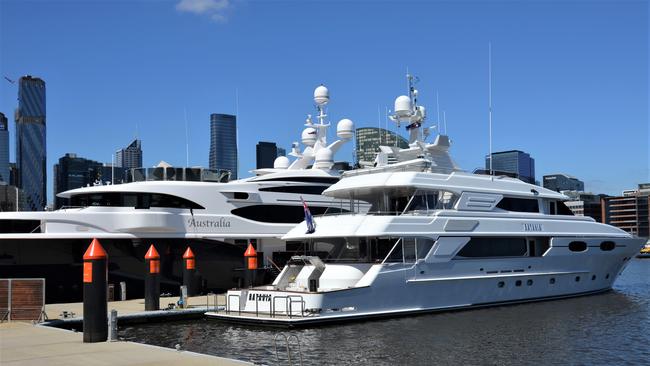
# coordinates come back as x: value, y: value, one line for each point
x: 321, y: 95
x: 403, y: 106
x: 309, y: 136
x: 345, y: 129
x: 324, y: 159
x: 281, y: 162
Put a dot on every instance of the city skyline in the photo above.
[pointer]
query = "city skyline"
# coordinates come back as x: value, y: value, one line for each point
x: 555, y: 91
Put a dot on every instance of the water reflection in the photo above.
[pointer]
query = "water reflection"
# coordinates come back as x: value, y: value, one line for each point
x: 607, y: 329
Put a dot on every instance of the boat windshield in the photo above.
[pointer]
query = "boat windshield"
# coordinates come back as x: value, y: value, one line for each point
x: 369, y: 250
x: 403, y: 201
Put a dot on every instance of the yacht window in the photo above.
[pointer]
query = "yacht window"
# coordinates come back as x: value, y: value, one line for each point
x: 296, y: 189
x: 20, y: 226
x: 404, y: 200
x: 538, y: 246
x: 132, y: 199
x: 577, y: 246
x: 424, y: 246
x: 552, y: 208
x: 483, y: 247
x: 276, y: 213
x: 240, y: 195
x: 409, y: 250
x: 518, y: 204
x: 326, y: 180
x: 607, y: 246
x: 562, y: 209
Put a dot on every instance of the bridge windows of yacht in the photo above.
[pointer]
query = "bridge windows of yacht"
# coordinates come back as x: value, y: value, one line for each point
x: 559, y: 208
x: 137, y: 200
x: 519, y: 204
x: 404, y: 201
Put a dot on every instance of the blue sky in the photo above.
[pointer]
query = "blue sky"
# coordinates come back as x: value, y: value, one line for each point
x: 570, y: 79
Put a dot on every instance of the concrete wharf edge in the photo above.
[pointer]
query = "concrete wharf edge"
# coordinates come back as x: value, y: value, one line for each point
x: 26, y: 344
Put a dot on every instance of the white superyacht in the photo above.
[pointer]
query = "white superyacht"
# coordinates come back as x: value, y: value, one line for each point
x: 435, y: 239
x: 173, y: 208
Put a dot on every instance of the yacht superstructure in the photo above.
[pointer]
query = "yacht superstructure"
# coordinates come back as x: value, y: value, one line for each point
x: 217, y: 219
x: 434, y: 239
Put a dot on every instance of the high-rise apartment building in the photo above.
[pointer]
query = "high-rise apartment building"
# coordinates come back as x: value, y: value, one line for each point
x: 265, y: 152
x: 368, y: 140
x: 30, y: 141
x: 513, y: 161
x: 130, y: 157
x: 629, y: 212
x: 223, y: 143
x: 4, y: 150
x: 562, y: 182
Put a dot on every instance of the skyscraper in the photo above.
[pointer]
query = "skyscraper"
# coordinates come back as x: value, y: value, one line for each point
x: 131, y: 156
x: 370, y: 138
x: 75, y: 172
x: 513, y: 161
x: 266, y: 153
x: 223, y: 143
x: 4, y: 150
x: 30, y: 141
x: 563, y: 182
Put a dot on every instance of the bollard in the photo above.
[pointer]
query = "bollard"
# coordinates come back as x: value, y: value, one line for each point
x: 189, y: 272
x: 112, y: 329
x: 123, y: 291
x: 183, y: 300
x: 95, y: 322
x: 152, y: 280
x: 251, y: 256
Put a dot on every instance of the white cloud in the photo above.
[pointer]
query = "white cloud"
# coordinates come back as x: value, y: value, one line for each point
x: 214, y: 9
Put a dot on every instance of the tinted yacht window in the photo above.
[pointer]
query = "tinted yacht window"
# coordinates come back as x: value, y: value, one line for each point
x: 276, y: 213
x: 518, y: 204
x: 296, y: 189
x: 494, y: 247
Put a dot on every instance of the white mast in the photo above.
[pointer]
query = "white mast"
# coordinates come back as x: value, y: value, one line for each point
x: 187, y: 141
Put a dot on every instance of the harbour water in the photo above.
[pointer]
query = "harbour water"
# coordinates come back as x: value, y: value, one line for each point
x: 606, y: 329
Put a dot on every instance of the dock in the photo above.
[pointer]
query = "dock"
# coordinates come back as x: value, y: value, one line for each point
x: 132, y: 311
x: 26, y: 344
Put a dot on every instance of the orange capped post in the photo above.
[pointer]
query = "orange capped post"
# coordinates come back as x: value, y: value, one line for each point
x: 95, y: 322
x: 251, y: 258
x: 189, y: 272
x: 152, y: 279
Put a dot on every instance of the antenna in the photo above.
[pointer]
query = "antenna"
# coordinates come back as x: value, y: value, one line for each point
x: 490, y: 101
x: 444, y: 118
x: 187, y: 141
x: 237, y: 126
x: 438, y: 111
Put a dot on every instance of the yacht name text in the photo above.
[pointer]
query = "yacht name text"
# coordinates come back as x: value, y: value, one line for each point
x: 221, y: 222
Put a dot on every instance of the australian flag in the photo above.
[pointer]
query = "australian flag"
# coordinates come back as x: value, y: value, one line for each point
x: 309, y: 219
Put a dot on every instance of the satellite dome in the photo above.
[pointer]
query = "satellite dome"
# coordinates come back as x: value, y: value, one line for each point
x: 324, y: 159
x: 309, y: 136
x: 321, y: 95
x: 281, y: 162
x: 345, y: 129
x: 403, y: 106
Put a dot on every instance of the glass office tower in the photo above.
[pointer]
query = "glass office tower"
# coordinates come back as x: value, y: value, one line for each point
x: 30, y: 141
x: 223, y: 143
x: 4, y: 149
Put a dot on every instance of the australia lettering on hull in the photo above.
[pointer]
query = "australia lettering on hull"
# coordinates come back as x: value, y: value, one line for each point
x: 533, y: 227
x: 221, y: 222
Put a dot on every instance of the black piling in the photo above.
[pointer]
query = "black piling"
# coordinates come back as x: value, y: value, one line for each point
x: 95, y: 322
x: 189, y: 272
x: 152, y: 280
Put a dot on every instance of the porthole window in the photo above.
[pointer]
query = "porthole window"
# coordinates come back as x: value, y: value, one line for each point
x: 551, y: 281
x: 607, y: 246
x: 577, y: 278
x: 529, y: 282
x: 501, y: 284
x: 577, y: 246
x: 518, y: 283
